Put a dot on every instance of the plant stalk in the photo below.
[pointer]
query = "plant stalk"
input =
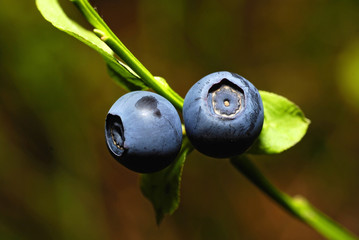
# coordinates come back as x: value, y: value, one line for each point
x: 105, y: 33
x: 297, y: 206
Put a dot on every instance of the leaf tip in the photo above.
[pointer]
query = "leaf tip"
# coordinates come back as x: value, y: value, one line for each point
x: 159, y: 217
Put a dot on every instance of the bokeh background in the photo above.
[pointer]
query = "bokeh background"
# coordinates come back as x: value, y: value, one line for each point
x: 57, y: 180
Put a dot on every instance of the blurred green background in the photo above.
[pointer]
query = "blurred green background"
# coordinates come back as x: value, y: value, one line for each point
x: 57, y: 180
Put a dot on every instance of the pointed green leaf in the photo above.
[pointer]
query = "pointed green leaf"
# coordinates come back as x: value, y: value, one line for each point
x: 284, y: 125
x: 163, y: 188
x: 52, y: 12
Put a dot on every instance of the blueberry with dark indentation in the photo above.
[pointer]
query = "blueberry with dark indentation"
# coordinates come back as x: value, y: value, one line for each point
x: 143, y: 131
x: 223, y: 114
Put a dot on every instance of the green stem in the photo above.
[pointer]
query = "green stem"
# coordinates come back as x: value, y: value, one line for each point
x: 297, y: 206
x: 105, y: 33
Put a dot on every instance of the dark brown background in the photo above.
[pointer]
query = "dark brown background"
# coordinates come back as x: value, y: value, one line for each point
x: 57, y: 180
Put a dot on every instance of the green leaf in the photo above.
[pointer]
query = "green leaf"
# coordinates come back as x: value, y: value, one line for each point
x: 284, y: 125
x: 163, y: 188
x: 52, y: 12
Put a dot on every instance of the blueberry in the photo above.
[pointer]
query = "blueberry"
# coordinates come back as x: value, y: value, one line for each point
x: 223, y: 114
x: 143, y: 131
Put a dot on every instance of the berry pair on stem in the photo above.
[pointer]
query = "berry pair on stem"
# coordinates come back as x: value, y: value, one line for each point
x: 222, y: 113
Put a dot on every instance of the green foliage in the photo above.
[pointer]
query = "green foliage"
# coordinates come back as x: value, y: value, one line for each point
x: 284, y: 125
x: 163, y: 188
x: 52, y: 12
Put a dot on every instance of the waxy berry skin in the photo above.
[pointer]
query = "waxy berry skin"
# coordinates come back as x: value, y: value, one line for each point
x: 223, y: 114
x: 143, y: 131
